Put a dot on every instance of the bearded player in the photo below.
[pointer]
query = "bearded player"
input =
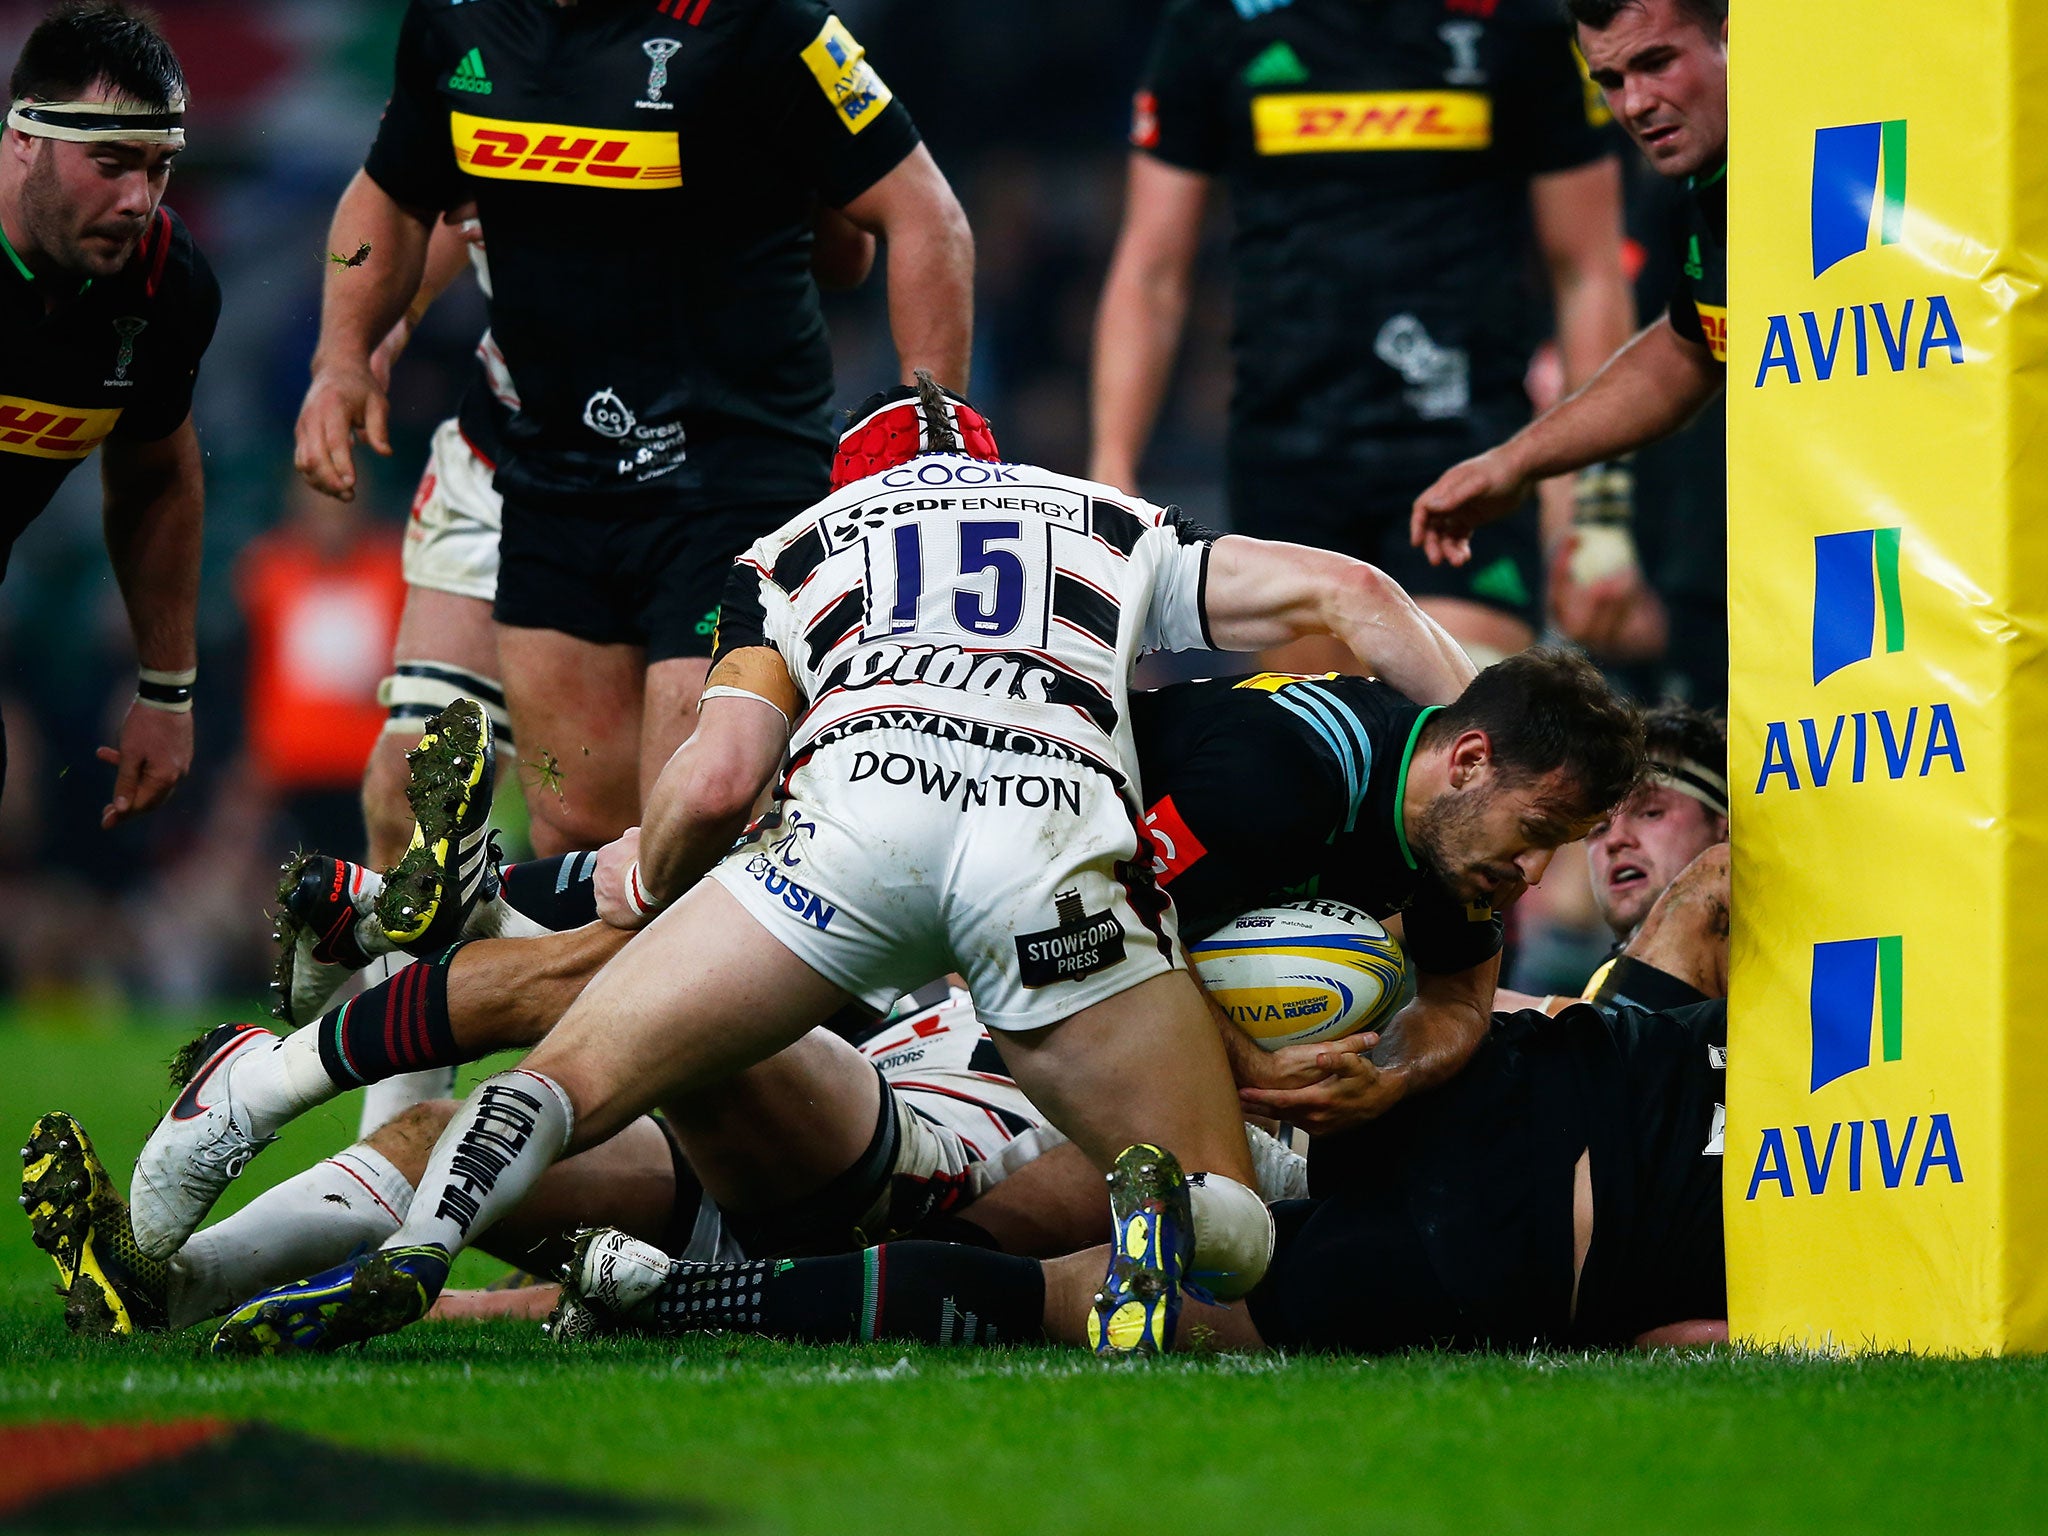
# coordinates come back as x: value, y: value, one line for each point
x: 106, y: 307
x: 973, y: 629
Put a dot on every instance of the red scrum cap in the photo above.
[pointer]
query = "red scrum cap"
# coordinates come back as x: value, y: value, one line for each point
x: 898, y: 424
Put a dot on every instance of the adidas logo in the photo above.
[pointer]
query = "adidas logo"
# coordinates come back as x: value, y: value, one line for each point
x: 1278, y: 65
x: 469, y: 74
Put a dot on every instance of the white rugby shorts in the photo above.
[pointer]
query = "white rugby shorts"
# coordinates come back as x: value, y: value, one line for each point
x: 451, y: 538
x: 896, y: 857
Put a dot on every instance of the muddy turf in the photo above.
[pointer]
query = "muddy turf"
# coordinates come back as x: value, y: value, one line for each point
x: 492, y: 1428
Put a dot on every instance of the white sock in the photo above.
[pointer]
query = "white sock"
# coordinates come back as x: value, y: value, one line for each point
x: 1233, y: 1235
x: 386, y: 1100
x: 304, y: 1225
x: 278, y: 1085
x: 499, y: 919
x: 493, y: 1152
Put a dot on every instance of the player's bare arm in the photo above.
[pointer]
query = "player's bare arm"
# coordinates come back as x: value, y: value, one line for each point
x: 358, y: 308
x: 1144, y: 306
x: 154, y: 511
x: 707, y: 790
x: 930, y: 264
x: 447, y: 258
x: 1577, y: 218
x: 1649, y: 389
x: 1421, y: 1047
x: 842, y: 253
x: 1263, y: 594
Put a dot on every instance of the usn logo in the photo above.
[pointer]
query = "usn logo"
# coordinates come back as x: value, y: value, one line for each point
x: 1857, y: 203
x: 1854, y: 980
x: 1846, y: 189
x: 1856, y: 609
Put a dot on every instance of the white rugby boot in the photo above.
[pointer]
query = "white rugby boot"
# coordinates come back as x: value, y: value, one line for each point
x: 200, y: 1146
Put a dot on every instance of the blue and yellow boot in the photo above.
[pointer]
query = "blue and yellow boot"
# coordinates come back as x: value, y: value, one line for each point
x: 379, y: 1293
x: 1152, y: 1237
x: 79, y: 1219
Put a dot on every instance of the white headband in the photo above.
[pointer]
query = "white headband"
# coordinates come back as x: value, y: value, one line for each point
x: 100, y: 122
x: 1692, y: 779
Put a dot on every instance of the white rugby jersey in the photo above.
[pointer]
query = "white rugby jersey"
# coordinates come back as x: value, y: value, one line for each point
x: 994, y: 603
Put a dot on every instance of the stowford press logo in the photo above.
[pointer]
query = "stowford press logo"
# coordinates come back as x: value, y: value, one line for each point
x: 1858, y: 995
x: 1858, y: 614
x: 1858, y: 203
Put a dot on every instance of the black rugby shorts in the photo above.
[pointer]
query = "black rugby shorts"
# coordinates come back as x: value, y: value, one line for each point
x: 651, y: 578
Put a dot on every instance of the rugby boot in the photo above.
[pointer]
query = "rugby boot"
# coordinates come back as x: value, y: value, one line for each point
x: 326, y: 932
x: 608, y: 1285
x: 451, y: 865
x: 78, y: 1218
x: 374, y: 1294
x: 1152, y: 1234
x: 201, y: 1145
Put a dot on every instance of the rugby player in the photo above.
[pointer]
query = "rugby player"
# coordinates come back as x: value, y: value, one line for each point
x: 1396, y: 171
x: 1659, y: 870
x: 1262, y: 790
x: 671, y: 363
x: 1041, y: 592
x: 106, y: 307
x: 1663, y: 65
x: 1564, y: 1190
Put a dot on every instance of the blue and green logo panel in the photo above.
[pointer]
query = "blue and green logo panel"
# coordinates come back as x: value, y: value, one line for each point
x: 1858, y: 169
x: 1854, y: 981
x: 1856, y: 605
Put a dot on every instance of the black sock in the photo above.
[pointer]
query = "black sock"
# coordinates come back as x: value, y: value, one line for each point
x: 557, y: 893
x: 937, y: 1293
x: 399, y: 1025
x: 851, y: 1211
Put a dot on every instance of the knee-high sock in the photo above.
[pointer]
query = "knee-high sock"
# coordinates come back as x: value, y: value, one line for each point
x: 557, y: 893
x: 493, y: 1152
x: 304, y: 1225
x: 395, y: 1027
x: 939, y: 1293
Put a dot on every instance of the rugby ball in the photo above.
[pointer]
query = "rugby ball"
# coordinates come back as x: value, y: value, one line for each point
x: 1310, y: 970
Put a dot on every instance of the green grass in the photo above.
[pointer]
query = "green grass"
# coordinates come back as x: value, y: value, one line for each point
x: 888, y: 1438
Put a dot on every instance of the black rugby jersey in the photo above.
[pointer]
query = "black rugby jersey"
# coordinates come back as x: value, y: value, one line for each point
x: 1481, y: 1168
x: 1275, y: 788
x: 647, y: 175
x: 1378, y: 155
x: 1699, y: 303
x: 116, y: 358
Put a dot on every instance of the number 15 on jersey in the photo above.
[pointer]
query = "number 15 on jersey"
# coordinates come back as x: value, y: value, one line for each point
x: 985, y: 581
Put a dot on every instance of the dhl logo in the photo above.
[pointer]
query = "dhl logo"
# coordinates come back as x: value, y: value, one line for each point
x: 634, y: 158
x: 1311, y: 123
x: 52, y: 431
x: 1714, y: 323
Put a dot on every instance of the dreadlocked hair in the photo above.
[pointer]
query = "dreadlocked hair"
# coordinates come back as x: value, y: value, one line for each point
x: 938, y: 419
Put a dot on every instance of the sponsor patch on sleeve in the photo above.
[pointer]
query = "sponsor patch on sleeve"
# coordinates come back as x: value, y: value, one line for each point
x: 843, y: 73
x: 1175, y: 848
x: 1144, y: 121
x: 1714, y: 325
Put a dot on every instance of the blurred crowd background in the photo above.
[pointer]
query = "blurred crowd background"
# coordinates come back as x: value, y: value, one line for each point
x: 1025, y: 107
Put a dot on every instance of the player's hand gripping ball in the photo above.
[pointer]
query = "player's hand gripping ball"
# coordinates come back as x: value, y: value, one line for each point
x: 1307, y: 971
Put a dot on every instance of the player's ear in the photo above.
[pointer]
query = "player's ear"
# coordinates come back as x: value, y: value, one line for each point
x: 1471, y: 755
